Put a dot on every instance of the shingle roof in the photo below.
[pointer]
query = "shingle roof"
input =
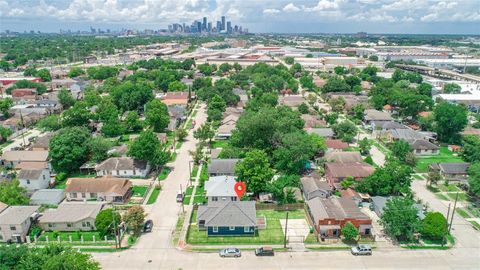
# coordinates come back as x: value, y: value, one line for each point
x: 31, y: 174
x: 17, y: 214
x: 44, y: 141
x: 322, y: 132
x: 454, y: 167
x: 336, y: 144
x: 343, y: 157
x: 230, y: 213
x: 372, y: 115
x: 70, y: 213
x: 25, y: 155
x: 355, y: 169
x: 106, y: 185
x: 3, y: 206
x: 406, y: 134
x: 335, y: 208
x: 220, y: 186
x: 222, y: 166
x: 423, y: 145
x: 393, y: 125
x: 31, y: 165
x: 311, y: 184
x: 215, y: 153
x: 47, y: 196
x: 121, y: 163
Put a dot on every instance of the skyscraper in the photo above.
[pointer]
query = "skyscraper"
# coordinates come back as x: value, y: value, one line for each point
x: 204, y: 24
x: 219, y: 26
x: 229, y: 27
x: 209, y: 27
x: 223, y: 23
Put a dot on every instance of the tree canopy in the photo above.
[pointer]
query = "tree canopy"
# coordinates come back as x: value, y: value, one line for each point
x: 255, y: 170
x: 69, y: 150
x: 400, y: 218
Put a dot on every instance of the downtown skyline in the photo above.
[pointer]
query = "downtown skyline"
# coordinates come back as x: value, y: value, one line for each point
x: 291, y: 16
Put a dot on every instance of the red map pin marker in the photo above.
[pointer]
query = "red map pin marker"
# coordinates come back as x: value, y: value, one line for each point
x: 240, y: 188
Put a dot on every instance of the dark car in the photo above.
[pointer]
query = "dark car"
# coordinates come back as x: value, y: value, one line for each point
x: 147, y: 227
x: 264, y: 251
x: 180, y: 197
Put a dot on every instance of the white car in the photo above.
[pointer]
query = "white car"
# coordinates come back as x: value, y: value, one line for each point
x: 362, y: 250
x: 230, y: 252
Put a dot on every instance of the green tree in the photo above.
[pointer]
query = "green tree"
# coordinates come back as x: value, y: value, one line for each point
x: 147, y: 147
x: 113, y: 128
x: 296, y: 150
x: 335, y: 84
x: 471, y: 148
x: 69, y: 149
x: 130, y: 96
x: 99, y: 147
x: 5, y: 133
x: 156, y: 115
x: 474, y: 179
x: 204, y: 133
x: 433, y: 178
x: 352, y: 81
x: 78, y: 115
x: 339, y: 70
x: 176, y: 86
x: 400, y: 218
x: 373, y: 58
x: 65, y: 98
x: 216, y: 106
x: 135, y: 218
x: 349, y: 232
x: 11, y: 193
x: 92, y: 97
x: 105, y: 221
x: 5, y: 105
x: 255, y: 170
x: 133, y: 122
x: 347, y: 182
x: 392, y: 179
x: 181, y: 134
x: 345, y: 130
x: 400, y: 150
x: 365, y: 144
x: 337, y: 104
x: 303, y: 108
x: 331, y: 118
x: 434, y: 226
x: 452, y: 88
x: 450, y: 119
x: 44, y: 74
x: 75, y: 72
x: 289, y: 60
x: 307, y: 82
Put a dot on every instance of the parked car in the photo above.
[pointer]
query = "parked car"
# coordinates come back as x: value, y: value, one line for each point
x: 362, y: 250
x: 230, y: 252
x: 180, y: 196
x: 264, y: 251
x: 147, y: 227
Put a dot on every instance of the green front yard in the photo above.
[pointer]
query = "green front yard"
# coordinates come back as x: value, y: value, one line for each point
x: 139, y: 191
x: 164, y: 173
x: 445, y: 155
x: 272, y: 235
x: 153, y: 197
x: 219, y: 144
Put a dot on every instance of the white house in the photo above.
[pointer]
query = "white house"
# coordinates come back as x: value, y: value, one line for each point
x: 123, y: 167
x: 34, y: 179
x: 220, y: 188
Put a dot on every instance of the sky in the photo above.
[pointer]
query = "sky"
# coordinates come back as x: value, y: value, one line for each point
x: 259, y: 16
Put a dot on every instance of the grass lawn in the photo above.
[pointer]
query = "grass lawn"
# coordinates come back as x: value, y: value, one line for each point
x: 87, y: 236
x: 178, y: 145
x: 417, y: 177
x: 164, y: 173
x: 139, y: 191
x: 445, y: 155
x: 449, y: 188
x: 461, y: 196
x: 189, y: 190
x: 219, y: 144
x: 153, y: 197
x: 462, y: 213
x: 475, y: 225
x: 194, y: 171
x: 442, y: 197
x: 273, y: 234
x: 186, y: 199
x: 199, y: 199
x: 194, y: 113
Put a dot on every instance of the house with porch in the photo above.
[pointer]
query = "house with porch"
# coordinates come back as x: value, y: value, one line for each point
x: 222, y: 166
x: 70, y: 217
x: 451, y: 171
x: 228, y: 218
x: 313, y: 187
x: 221, y: 188
x: 34, y: 179
x: 330, y: 215
x: 105, y: 189
x: 123, y: 167
x: 15, y: 222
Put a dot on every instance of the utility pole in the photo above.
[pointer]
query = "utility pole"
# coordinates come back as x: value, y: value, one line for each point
x: 448, y: 214
x: 453, y: 213
x: 181, y: 192
x: 114, y: 226
x: 286, y: 225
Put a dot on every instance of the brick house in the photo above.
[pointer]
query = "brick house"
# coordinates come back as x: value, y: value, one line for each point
x: 335, y: 172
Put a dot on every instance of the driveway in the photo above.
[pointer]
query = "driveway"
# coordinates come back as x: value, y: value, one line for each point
x: 19, y: 140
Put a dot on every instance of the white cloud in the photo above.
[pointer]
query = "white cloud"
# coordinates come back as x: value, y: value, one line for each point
x: 324, y: 5
x: 270, y: 11
x: 291, y: 8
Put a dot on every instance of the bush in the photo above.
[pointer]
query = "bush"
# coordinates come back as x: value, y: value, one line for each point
x: 35, y: 231
x: 61, y: 176
x: 434, y: 226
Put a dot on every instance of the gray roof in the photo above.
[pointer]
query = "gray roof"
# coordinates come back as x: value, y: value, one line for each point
x: 220, y: 186
x: 215, y: 153
x: 44, y: 141
x: 71, y: 213
x: 454, y: 167
x: 393, y: 125
x: 423, y: 145
x: 406, y: 134
x: 31, y: 174
x: 121, y: 163
x: 230, y: 213
x: 335, y: 208
x: 372, y: 115
x: 47, y: 196
x: 322, y: 132
x: 379, y: 203
x: 222, y: 166
x: 311, y: 184
x: 343, y: 157
x: 17, y: 214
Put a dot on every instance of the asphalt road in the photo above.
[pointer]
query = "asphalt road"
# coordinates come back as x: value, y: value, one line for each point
x: 156, y: 250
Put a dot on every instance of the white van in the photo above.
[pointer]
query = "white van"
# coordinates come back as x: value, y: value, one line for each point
x: 362, y: 250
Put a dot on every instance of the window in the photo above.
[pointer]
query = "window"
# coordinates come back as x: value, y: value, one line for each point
x: 1, y: 237
x: 93, y: 195
x: 28, y: 181
x: 118, y: 172
x: 69, y: 225
x: 234, y: 198
x: 246, y: 229
x: 232, y: 228
x: 83, y: 194
x: 50, y: 225
x: 43, y: 177
x: 13, y: 228
x: 73, y: 195
x: 84, y: 224
x: 124, y: 172
x: 214, y: 199
x: 134, y: 172
x: 215, y: 229
x: 88, y: 223
x: 418, y: 151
